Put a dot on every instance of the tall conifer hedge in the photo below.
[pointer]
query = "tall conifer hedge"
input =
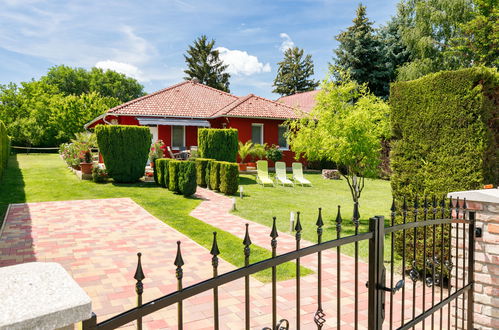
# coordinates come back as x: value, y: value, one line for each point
x: 4, y: 148
x: 445, y: 138
x: 445, y: 132
x: 218, y: 144
x: 125, y: 150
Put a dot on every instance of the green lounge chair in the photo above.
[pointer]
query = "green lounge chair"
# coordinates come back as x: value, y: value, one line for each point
x: 298, y: 174
x: 262, y: 170
x: 280, y: 174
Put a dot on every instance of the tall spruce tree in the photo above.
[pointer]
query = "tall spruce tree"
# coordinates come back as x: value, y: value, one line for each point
x: 360, y: 52
x: 294, y: 73
x: 395, y: 53
x: 204, y: 63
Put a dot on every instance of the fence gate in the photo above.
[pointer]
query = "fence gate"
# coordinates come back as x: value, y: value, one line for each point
x: 429, y: 282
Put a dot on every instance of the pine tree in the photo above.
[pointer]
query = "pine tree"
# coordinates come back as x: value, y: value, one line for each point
x: 294, y: 73
x: 360, y: 53
x: 203, y: 63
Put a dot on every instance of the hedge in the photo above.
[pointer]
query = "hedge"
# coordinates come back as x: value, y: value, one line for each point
x: 201, y: 166
x: 4, y: 148
x: 125, y: 150
x: 187, y: 178
x: 161, y: 167
x: 173, y: 173
x: 214, y: 175
x: 218, y: 144
x: 229, y: 178
x: 444, y: 136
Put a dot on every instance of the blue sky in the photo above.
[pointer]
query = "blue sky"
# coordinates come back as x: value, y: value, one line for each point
x: 147, y: 39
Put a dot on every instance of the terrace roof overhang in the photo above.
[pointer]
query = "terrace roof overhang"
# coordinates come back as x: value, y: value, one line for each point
x: 153, y: 121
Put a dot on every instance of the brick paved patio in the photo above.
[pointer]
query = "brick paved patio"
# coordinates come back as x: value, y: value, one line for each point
x: 97, y: 241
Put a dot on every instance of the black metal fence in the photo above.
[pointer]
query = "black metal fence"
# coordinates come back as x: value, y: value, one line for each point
x: 443, y: 272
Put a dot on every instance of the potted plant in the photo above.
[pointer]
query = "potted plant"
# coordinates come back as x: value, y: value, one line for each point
x: 274, y: 153
x: 157, y: 151
x: 86, y: 163
x: 258, y: 152
x: 244, y: 151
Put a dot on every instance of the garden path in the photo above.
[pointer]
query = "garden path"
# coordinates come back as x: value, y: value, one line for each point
x: 216, y: 210
x: 97, y: 241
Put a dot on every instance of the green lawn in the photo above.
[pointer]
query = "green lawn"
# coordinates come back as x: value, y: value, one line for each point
x: 44, y: 177
x: 261, y: 204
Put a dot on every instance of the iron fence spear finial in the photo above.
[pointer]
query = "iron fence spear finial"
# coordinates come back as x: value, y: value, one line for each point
x: 139, y: 287
x: 247, y: 251
x: 338, y: 220
x: 179, y: 262
x: 214, y: 262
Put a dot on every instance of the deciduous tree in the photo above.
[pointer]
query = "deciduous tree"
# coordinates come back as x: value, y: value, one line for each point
x: 427, y: 28
x: 108, y: 83
x: 346, y: 126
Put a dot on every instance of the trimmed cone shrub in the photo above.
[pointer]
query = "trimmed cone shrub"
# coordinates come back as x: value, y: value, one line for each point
x: 201, y: 165
x: 125, y: 150
x: 207, y: 177
x: 187, y: 178
x: 214, y: 175
x: 229, y: 178
x: 444, y: 139
x: 173, y: 173
x: 155, y: 172
x: 218, y: 144
x: 161, y: 166
x: 4, y: 148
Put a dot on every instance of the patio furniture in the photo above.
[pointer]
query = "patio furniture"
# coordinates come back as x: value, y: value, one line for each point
x: 262, y: 173
x: 298, y: 174
x: 280, y: 174
x: 182, y: 155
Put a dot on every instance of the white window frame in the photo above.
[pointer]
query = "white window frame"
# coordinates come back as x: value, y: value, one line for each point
x: 287, y: 145
x: 154, y: 137
x: 261, y: 132
x: 183, y: 138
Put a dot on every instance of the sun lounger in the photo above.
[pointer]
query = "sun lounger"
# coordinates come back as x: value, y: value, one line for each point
x: 262, y: 176
x: 280, y: 174
x: 298, y: 174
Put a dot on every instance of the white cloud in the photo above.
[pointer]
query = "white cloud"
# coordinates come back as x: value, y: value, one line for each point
x: 125, y: 68
x: 240, y: 62
x: 287, y: 43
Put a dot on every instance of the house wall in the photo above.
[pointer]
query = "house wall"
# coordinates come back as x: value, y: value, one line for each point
x: 243, y: 125
x: 270, y: 132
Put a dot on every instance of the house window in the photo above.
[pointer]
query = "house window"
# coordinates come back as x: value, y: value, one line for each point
x: 257, y: 133
x: 283, y: 143
x: 178, y: 137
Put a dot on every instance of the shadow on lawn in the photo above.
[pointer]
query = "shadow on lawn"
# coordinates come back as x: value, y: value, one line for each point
x: 11, y: 187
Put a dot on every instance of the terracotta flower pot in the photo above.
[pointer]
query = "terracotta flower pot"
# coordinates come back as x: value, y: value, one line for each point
x: 242, y: 167
x: 86, y: 168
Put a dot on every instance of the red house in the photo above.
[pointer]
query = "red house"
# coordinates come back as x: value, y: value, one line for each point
x: 174, y: 115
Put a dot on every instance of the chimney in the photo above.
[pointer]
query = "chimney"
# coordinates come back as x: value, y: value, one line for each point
x: 195, y: 80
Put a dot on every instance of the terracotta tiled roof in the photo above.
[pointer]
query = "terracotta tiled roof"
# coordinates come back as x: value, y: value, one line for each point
x: 253, y: 106
x: 305, y: 101
x: 195, y: 100
x: 187, y: 99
